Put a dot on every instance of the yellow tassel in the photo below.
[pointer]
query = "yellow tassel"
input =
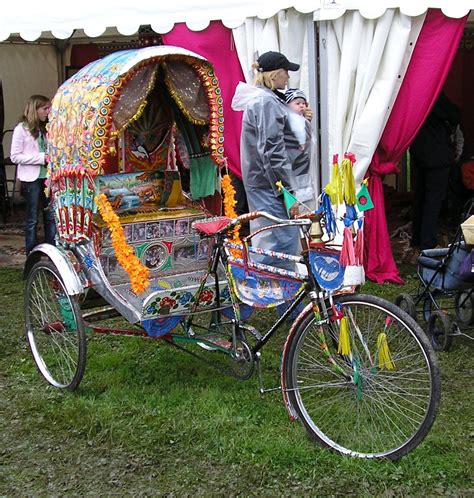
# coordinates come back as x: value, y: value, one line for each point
x: 385, y: 358
x: 349, y: 182
x: 334, y: 187
x: 338, y: 183
x: 344, y: 347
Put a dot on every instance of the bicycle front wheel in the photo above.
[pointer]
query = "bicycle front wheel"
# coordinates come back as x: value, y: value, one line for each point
x: 376, y: 399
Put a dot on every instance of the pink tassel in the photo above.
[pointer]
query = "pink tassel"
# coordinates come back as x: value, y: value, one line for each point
x: 359, y: 247
x: 347, y: 251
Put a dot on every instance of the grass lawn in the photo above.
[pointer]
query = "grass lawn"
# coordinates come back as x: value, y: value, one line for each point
x: 149, y: 420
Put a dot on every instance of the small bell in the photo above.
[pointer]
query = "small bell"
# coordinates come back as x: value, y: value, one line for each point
x: 316, y: 232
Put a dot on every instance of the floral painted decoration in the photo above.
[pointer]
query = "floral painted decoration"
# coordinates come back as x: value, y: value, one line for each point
x: 229, y: 209
x: 139, y: 274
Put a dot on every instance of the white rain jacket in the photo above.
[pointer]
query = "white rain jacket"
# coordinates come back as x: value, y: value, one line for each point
x: 270, y: 152
x: 270, y: 148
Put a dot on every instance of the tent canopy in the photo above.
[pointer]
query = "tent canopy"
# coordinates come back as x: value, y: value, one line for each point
x: 32, y: 20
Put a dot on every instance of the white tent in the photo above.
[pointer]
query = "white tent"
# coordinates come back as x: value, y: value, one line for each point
x: 353, y: 53
x: 35, y: 35
x: 32, y: 19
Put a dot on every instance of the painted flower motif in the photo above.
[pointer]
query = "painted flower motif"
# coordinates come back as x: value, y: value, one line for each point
x: 151, y: 309
x: 185, y: 298
x: 207, y: 296
x: 167, y: 302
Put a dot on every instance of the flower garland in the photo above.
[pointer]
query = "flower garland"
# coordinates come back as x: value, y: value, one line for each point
x: 229, y: 209
x: 138, y: 273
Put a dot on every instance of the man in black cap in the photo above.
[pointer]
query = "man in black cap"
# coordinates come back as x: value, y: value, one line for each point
x: 267, y: 154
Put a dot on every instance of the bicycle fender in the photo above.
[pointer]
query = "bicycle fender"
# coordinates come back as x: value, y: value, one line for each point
x: 69, y: 276
x: 292, y: 415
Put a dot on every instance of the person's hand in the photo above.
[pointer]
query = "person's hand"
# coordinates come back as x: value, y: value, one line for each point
x: 308, y: 113
x: 294, y: 210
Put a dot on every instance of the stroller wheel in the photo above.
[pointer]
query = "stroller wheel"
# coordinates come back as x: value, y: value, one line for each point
x: 427, y: 308
x: 464, y: 307
x: 440, y: 331
x: 405, y: 302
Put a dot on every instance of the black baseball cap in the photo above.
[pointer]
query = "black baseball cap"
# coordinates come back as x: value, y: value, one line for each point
x: 271, y: 61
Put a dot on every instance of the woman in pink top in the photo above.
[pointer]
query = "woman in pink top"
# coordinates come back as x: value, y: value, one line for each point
x: 28, y: 152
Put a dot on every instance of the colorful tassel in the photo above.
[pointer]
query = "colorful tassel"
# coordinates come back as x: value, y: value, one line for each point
x: 347, y: 251
x: 334, y: 187
x: 344, y: 347
x: 348, y: 180
x: 327, y: 212
x: 385, y: 358
x: 359, y: 247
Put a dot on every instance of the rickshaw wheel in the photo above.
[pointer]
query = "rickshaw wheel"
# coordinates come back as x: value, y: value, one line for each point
x: 405, y: 302
x: 464, y: 307
x: 440, y: 331
x: 54, y: 327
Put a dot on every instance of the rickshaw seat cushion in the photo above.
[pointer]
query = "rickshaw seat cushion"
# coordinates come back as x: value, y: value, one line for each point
x: 212, y: 226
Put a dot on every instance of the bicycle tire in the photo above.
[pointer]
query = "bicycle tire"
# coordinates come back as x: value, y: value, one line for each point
x: 55, y: 329
x: 386, y: 413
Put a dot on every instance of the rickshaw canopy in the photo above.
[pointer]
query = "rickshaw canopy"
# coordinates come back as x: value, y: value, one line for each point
x: 92, y: 108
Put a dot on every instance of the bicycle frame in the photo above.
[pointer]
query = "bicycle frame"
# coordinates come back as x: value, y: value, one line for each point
x: 318, y: 297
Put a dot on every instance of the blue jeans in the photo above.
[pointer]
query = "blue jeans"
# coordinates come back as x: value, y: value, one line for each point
x: 285, y: 240
x: 36, y: 201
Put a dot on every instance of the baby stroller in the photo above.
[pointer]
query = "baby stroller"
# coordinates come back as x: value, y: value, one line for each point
x: 446, y: 283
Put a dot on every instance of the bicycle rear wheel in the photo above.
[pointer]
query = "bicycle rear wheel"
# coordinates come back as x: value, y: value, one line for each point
x: 359, y: 405
x: 54, y: 327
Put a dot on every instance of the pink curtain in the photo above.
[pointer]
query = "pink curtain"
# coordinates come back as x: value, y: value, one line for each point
x: 216, y: 44
x: 431, y: 60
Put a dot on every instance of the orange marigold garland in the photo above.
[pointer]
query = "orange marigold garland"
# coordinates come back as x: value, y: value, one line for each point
x: 126, y: 257
x: 229, y: 208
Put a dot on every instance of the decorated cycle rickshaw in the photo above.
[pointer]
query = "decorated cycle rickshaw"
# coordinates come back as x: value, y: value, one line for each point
x: 125, y: 133
x: 135, y: 154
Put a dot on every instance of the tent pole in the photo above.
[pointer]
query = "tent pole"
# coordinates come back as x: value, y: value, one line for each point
x: 314, y: 95
x: 323, y: 109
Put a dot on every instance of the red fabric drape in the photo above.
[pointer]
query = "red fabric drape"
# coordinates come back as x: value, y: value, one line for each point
x: 216, y: 44
x: 429, y: 66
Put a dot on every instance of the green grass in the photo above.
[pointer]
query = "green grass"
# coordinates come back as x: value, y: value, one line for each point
x: 148, y: 420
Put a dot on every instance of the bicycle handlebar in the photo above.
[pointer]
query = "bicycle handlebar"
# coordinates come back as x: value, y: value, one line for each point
x: 279, y: 221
